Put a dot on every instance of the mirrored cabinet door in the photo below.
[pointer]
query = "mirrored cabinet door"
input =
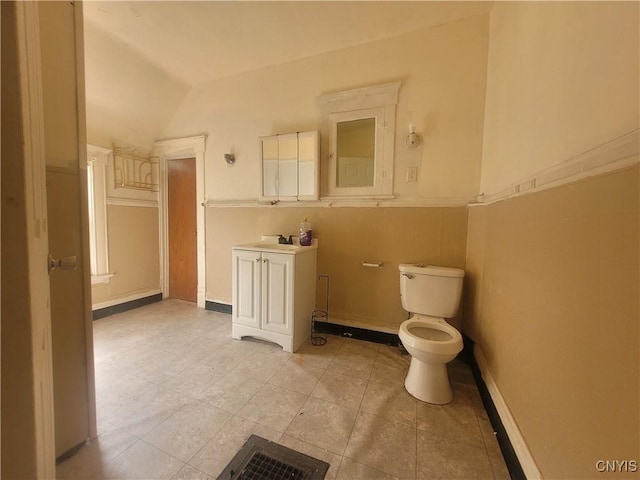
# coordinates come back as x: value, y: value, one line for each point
x: 269, y: 150
x: 288, y: 166
x: 355, y: 152
x: 358, y: 162
x: 308, y: 155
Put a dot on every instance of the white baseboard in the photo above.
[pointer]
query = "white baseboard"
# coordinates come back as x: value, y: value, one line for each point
x: 518, y: 442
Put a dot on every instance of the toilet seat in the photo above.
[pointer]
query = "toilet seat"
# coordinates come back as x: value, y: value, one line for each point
x: 450, y: 345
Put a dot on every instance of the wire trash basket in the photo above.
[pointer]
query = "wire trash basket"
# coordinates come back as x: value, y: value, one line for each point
x: 319, y: 318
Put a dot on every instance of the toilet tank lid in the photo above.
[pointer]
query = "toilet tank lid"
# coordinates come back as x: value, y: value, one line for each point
x: 420, y: 269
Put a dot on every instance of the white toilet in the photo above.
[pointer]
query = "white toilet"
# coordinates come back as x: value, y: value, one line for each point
x: 431, y: 294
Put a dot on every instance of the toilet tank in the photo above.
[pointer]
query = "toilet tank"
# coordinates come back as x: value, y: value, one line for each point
x: 431, y: 290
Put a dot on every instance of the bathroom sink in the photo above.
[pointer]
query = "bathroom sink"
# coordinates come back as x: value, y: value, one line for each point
x: 274, y: 246
x: 267, y: 246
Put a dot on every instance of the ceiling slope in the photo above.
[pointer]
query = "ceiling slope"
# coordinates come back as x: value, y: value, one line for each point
x: 203, y: 41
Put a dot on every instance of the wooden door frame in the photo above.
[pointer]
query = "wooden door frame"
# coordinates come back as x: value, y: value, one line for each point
x: 177, y: 149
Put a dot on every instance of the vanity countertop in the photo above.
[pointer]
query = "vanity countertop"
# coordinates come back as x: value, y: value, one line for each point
x: 271, y: 246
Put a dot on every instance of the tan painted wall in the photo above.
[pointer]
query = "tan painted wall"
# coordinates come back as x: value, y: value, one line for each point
x: 347, y: 237
x: 443, y: 73
x: 562, y: 78
x: 553, y: 287
x: 133, y: 253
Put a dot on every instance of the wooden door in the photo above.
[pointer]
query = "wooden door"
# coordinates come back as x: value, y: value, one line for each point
x: 183, y: 258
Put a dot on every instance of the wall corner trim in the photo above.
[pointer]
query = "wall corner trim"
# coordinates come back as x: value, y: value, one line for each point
x: 516, y: 438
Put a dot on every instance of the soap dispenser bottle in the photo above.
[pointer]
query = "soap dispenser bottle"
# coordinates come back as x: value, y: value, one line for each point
x: 305, y: 233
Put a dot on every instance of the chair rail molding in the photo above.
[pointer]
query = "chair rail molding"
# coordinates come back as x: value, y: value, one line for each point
x: 616, y: 154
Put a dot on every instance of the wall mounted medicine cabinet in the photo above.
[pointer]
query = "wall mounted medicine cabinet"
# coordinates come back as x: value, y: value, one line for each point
x: 361, y: 125
x: 290, y: 166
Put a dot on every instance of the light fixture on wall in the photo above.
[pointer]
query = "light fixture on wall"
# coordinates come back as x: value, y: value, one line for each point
x: 413, y: 139
x: 230, y: 158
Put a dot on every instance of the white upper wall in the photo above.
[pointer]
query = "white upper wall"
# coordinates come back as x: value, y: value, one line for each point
x: 443, y: 71
x: 203, y: 41
x: 579, y: 91
x: 129, y: 100
x: 562, y: 79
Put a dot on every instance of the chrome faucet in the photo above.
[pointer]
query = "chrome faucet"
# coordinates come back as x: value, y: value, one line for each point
x: 285, y: 241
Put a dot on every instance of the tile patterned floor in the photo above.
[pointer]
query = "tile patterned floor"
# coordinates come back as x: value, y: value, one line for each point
x: 177, y: 397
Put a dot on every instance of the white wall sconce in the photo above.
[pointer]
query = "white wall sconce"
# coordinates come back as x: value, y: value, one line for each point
x: 413, y: 139
x: 230, y: 158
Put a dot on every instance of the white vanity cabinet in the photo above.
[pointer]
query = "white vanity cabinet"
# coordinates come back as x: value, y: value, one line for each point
x: 290, y: 166
x: 274, y: 293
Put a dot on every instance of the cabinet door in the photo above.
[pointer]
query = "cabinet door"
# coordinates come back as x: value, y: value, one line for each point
x: 288, y: 166
x: 247, y: 268
x: 277, y: 292
x: 269, y: 152
x: 308, y: 155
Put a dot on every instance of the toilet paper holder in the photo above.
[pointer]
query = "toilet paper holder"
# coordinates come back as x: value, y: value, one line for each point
x: 372, y: 264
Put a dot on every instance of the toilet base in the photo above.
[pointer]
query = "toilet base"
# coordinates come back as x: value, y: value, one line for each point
x: 428, y: 382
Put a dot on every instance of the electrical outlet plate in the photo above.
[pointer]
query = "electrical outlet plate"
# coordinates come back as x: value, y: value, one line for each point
x: 412, y: 174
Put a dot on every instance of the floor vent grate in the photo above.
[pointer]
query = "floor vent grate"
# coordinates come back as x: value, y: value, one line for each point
x: 261, y: 459
x: 261, y: 467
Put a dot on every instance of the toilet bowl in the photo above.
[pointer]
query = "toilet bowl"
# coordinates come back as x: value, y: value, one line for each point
x: 431, y: 294
x: 432, y: 343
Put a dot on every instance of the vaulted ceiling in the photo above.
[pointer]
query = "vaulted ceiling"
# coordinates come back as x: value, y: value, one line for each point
x: 140, y: 53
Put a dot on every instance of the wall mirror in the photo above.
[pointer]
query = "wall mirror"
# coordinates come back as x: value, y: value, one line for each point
x: 355, y: 152
x: 361, y: 140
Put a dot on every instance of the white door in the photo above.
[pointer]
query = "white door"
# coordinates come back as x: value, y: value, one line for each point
x: 68, y: 316
x: 28, y: 445
x: 277, y: 292
x: 45, y: 144
x: 65, y: 157
x: 247, y: 266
